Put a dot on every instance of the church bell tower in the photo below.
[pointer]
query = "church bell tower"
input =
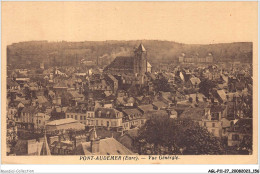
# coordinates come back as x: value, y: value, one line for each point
x: 140, y: 60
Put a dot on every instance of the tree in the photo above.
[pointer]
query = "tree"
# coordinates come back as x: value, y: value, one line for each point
x: 162, y: 135
x: 206, y: 86
x: 246, y: 143
x: 162, y: 85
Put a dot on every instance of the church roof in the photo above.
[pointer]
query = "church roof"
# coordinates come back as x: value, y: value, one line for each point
x: 122, y: 63
x: 125, y: 63
x: 141, y: 48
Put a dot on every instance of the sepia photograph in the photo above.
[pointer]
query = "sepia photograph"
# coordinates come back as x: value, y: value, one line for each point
x: 140, y: 82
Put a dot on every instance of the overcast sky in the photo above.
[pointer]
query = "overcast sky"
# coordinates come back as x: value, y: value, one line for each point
x: 185, y: 22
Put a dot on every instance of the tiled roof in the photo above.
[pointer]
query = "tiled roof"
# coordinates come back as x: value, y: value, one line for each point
x: 12, y: 83
x: 107, y: 146
x: 60, y: 85
x: 155, y: 113
x: 29, y: 109
x: 106, y: 113
x: 121, y: 63
x: 195, y: 81
x: 42, y: 99
x: 217, y: 108
x: 75, y: 94
x: 132, y: 112
x: 222, y: 95
x: 146, y: 108
x: 61, y: 121
x: 160, y: 104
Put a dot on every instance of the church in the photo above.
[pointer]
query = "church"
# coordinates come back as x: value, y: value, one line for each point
x: 136, y: 64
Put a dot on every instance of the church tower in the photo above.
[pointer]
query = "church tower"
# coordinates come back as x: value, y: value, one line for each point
x: 94, y: 142
x: 140, y: 60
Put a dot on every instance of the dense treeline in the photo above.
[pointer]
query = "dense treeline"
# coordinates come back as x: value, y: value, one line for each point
x: 159, y: 51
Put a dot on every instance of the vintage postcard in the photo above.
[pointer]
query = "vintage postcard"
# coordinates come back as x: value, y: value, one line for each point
x: 129, y: 83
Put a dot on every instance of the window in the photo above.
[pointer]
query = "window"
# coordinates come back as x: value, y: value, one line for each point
x: 96, y: 122
x: 68, y: 116
x: 71, y: 116
x: 92, y: 114
x: 215, y: 116
x: 205, y: 124
x: 88, y: 114
x: 84, y: 117
x: 235, y: 137
x: 80, y: 117
x: 213, y: 124
x: 39, y: 121
x: 101, y: 122
x: 76, y: 117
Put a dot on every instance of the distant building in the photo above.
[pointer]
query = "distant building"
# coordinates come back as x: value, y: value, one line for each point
x: 83, y: 115
x: 240, y: 130
x: 31, y: 117
x: 108, y: 117
x: 112, y: 81
x: 195, y: 59
x: 137, y: 64
x: 132, y: 118
x: 213, y: 119
x: 32, y: 147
